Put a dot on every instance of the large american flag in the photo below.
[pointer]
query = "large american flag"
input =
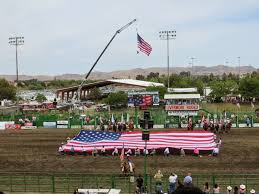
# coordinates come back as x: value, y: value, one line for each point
x: 143, y: 45
x: 174, y: 139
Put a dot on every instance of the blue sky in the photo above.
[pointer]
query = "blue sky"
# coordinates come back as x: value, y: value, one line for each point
x: 63, y: 36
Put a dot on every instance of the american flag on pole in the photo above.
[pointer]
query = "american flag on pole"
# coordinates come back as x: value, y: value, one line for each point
x: 143, y: 45
x: 159, y: 140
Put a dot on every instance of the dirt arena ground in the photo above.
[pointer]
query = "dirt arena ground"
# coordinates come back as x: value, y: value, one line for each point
x: 36, y: 151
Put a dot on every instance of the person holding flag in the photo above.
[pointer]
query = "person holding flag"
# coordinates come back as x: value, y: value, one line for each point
x: 252, y: 105
x: 122, y: 153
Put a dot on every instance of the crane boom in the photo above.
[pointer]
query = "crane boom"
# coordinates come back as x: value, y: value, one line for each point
x: 77, y: 96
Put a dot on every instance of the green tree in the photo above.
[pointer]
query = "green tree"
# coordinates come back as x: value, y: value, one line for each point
x: 223, y: 88
x: 117, y: 99
x: 40, y: 98
x: 7, y: 91
x: 152, y: 75
x: 95, y: 94
x: 249, y: 87
x: 140, y: 77
x: 162, y: 90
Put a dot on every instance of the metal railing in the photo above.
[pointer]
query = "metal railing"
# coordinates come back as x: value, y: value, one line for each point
x: 68, y: 182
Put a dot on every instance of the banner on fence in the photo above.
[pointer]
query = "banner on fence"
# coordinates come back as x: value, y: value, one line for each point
x: 28, y: 124
x: 3, y: 124
x: 242, y: 125
x: 62, y: 122
x: 10, y: 126
x: 76, y: 126
x: 28, y: 127
x: 49, y: 124
x: 62, y: 126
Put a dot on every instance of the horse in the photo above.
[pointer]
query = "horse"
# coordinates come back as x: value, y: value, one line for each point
x: 127, y: 167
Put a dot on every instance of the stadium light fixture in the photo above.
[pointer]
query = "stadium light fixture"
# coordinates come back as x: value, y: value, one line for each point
x: 167, y: 35
x: 16, y: 41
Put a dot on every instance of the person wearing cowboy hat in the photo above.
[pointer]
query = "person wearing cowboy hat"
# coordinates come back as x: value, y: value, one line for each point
x: 229, y: 189
x: 242, y: 189
x: 252, y: 191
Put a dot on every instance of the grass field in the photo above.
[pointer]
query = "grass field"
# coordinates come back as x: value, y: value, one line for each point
x: 36, y: 150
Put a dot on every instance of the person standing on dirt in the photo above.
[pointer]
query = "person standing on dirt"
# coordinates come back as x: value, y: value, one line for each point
x: 115, y: 152
x: 248, y: 121
x: 72, y: 150
x: 103, y: 151
x: 167, y: 152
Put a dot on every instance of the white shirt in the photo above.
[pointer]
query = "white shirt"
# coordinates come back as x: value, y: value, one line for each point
x: 103, y: 150
x: 145, y: 151
x: 215, y: 150
x: 116, y: 150
x: 129, y: 151
x: 167, y: 151
x: 219, y: 143
x: 172, y: 178
x: 61, y: 149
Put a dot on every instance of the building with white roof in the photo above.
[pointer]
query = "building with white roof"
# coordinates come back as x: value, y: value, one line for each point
x: 106, y: 86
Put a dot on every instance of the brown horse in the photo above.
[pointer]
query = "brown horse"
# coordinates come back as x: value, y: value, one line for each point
x: 127, y: 167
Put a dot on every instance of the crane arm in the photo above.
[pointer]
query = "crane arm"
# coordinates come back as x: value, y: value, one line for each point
x: 127, y: 25
x: 88, y: 74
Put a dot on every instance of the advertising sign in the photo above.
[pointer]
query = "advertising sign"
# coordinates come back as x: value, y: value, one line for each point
x: 49, y: 124
x: 182, y: 113
x: 28, y: 124
x: 8, y: 124
x: 28, y: 127
x: 182, y: 107
x: 143, y: 98
x: 63, y: 122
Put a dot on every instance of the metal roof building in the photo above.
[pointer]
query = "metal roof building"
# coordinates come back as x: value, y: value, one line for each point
x: 123, y: 84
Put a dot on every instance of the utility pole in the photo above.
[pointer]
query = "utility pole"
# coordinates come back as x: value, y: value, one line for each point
x: 167, y: 35
x: 16, y: 41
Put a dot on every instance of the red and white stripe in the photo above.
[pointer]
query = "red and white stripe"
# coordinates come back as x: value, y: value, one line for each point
x: 187, y: 140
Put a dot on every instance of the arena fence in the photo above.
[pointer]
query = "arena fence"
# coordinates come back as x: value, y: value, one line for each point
x: 68, y: 182
x: 157, y: 114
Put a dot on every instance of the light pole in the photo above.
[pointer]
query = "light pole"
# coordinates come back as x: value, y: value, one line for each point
x: 238, y: 58
x: 167, y: 35
x: 192, y: 59
x: 16, y: 41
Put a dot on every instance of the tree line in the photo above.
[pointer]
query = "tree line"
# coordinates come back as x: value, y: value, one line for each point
x: 221, y: 85
x: 227, y: 84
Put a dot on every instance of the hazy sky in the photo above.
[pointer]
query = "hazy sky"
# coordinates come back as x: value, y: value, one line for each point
x: 67, y: 36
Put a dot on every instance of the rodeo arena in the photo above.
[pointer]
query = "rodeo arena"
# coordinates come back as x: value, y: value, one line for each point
x: 156, y: 144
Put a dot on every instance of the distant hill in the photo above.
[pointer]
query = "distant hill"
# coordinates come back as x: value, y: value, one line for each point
x: 132, y: 73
